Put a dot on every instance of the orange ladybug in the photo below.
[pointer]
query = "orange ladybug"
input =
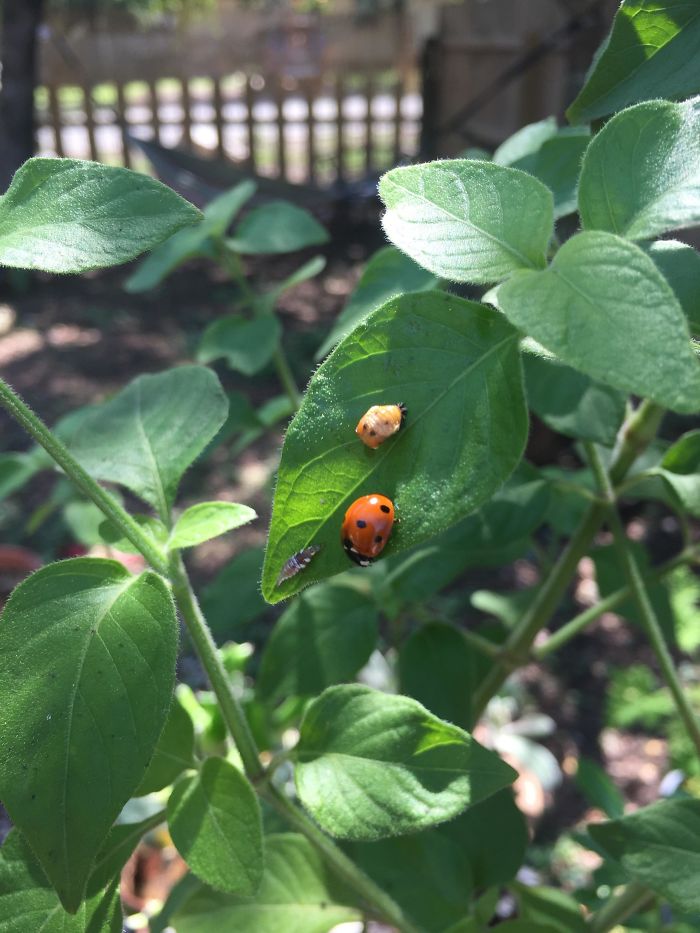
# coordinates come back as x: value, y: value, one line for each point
x: 379, y: 423
x: 366, y: 528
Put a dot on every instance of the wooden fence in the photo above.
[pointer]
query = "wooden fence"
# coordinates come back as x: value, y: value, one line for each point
x: 323, y: 129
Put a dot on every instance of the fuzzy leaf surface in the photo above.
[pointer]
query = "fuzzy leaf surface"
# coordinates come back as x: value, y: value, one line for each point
x: 214, y: 819
x: 297, y: 895
x: 87, y: 668
x: 389, y: 272
x: 641, y: 172
x: 207, y: 520
x: 658, y: 846
x: 603, y: 308
x: 28, y: 902
x: 651, y: 52
x: 371, y: 765
x: 149, y: 433
x: 65, y: 215
x: 468, y: 221
x: 456, y: 366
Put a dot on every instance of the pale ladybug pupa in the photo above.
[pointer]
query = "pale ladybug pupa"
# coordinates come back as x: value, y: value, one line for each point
x: 379, y: 423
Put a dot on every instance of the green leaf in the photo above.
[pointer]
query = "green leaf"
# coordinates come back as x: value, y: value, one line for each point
x: 221, y: 210
x: 468, y: 221
x: 87, y: 668
x: 492, y: 836
x: 641, y: 172
x: 387, y: 274
x: 557, y: 164
x: 117, y: 849
x: 680, y: 266
x: 466, y: 424
x: 15, y: 472
x: 233, y: 600
x: 190, y: 243
x: 658, y: 846
x: 480, y: 540
x: 603, y: 308
x: 63, y: 215
x: 436, y: 668
x: 29, y: 903
x: 680, y: 469
x: 150, y: 432
x: 598, y: 788
x: 305, y: 272
x: 371, y: 765
x: 173, y: 754
x: 425, y: 873
x: 208, y: 520
x: 572, y: 403
x: 323, y: 638
x: 650, y: 53
x: 277, y: 227
x: 525, y: 141
x: 246, y: 345
x: 215, y: 822
x: 296, y: 896
x: 550, y: 910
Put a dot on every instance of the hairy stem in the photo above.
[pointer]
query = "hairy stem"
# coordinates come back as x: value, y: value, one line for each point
x: 208, y: 654
x: 380, y: 904
x: 641, y: 598
x: 617, y: 909
x: 107, y: 504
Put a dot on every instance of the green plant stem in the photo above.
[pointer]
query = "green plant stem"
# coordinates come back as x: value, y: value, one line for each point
x: 617, y: 909
x: 232, y: 263
x: 583, y: 619
x: 208, y: 654
x: 380, y: 904
x: 636, y: 433
x: 286, y: 377
x: 107, y: 504
x: 641, y: 597
x: 517, y: 646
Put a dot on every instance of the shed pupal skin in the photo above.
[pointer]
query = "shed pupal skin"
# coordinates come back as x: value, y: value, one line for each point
x: 379, y: 423
x: 297, y: 562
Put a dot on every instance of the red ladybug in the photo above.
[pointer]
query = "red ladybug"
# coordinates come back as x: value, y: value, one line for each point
x: 379, y: 422
x: 366, y: 528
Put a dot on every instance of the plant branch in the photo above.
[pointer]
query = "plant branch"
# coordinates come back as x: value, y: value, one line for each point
x: 641, y: 597
x: 106, y: 502
x: 635, y: 434
x: 379, y: 904
x: 617, y: 909
x: 583, y: 619
x: 208, y: 654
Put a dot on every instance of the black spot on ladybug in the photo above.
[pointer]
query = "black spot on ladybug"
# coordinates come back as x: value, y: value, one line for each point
x: 385, y: 508
x: 361, y: 523
x: 377, y: 539
x: 372, y: 433
x: 364, y: 427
